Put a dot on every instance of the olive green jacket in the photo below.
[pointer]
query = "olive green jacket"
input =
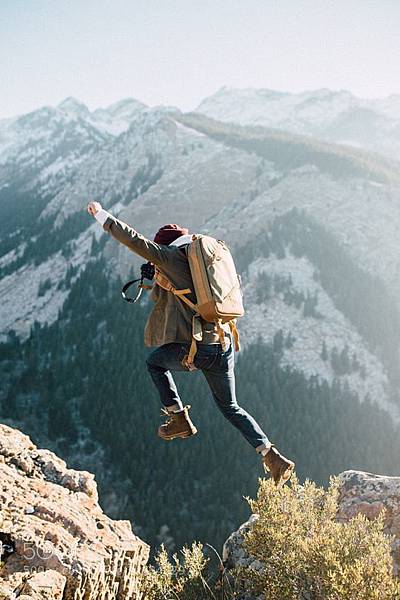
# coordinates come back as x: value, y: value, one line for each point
x: 170, y: 319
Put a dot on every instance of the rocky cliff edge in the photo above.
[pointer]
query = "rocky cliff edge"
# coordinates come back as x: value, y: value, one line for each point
x: 55, y: 540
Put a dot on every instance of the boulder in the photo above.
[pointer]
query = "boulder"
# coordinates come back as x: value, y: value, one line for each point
x: 55, y: 540
x: 369, y: 494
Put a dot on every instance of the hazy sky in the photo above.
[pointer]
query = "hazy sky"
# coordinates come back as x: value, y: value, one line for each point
x: 177, y: 52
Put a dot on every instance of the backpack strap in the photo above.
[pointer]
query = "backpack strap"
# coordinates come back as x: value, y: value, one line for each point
x: 197, y: 335
x: 235, y: 334
x: 221, y: 334
x: 165, y: 283
x: 197, y: 331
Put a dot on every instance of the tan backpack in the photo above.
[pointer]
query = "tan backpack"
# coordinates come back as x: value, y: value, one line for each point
x: 216, y: 286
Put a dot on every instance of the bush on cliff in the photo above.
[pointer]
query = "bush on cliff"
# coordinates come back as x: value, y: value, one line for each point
x: 302, y: 551
x: 187, y: 578
x: 298, y: 550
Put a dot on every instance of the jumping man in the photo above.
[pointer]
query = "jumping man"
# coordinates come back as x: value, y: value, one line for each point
x: 169, y: 329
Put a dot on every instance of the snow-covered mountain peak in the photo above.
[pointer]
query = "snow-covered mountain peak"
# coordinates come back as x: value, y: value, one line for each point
x: 126, y: 107
x: 151, y: 118
x: 230, y: 90
x: 117, y: 117
x: 73, y: 108
x: 327, y: 93
x: 249, y: 104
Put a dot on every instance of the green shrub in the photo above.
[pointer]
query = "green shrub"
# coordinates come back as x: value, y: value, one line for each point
x: 185, y: 579
x: 298, y: 550
x: 307, y: 554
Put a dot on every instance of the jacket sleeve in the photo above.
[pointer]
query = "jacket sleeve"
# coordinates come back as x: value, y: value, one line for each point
x: 123, y: 233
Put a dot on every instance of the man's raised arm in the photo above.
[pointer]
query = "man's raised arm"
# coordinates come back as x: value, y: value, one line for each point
x: 123, y: 233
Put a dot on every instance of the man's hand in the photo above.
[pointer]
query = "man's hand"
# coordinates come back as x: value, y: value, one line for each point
x: 93, y: 208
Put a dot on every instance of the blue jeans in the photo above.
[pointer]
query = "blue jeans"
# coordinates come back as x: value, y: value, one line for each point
x: 218, y: 369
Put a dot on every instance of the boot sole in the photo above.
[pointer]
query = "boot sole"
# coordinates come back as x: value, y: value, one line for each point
x: 181, y: 435
x: 285, y: 476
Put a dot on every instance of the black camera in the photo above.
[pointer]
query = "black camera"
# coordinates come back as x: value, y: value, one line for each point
x: 147, y: 271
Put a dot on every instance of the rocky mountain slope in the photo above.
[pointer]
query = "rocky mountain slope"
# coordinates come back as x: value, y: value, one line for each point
x: 336, y: 116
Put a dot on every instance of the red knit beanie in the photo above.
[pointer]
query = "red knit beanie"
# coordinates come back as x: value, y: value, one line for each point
x: 169, y: 233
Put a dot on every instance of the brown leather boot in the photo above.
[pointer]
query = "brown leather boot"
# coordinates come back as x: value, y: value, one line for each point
x: 278, y: 466
x: 178, y: 425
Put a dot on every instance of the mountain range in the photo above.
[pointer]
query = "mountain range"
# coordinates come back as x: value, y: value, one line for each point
x: 304, y: 188
x: 335, y: 116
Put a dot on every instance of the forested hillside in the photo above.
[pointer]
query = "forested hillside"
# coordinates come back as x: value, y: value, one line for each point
x: 82, y: 382
x: 291, y: 151
x: 360, y: 296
